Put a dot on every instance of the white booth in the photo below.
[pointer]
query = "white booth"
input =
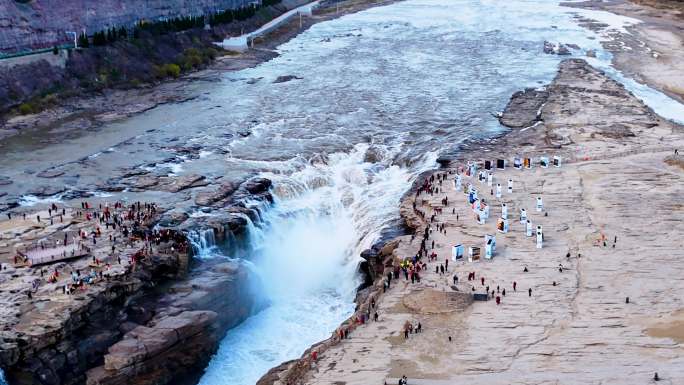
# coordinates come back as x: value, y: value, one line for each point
x: 502, y: 225
x: 473, y: 253
x: 490, y: 246
x: 557, y: 161
x: 544, y: 161
x: 540, y: 237
x: 456, y: 252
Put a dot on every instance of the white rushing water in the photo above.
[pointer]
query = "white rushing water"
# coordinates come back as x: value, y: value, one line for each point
x: 307, y: 254
x: 419, y: 74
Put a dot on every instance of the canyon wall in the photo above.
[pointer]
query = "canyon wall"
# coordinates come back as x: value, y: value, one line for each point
x: 34, y: 24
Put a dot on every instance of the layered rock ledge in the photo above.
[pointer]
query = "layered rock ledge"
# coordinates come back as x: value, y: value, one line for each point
x: 131, y: 306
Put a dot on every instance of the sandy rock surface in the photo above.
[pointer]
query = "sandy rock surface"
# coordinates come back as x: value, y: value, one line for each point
x: 618, y: 182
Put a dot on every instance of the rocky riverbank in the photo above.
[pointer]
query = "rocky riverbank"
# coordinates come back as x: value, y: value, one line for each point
x: 129, y: 306
x: 34, y: 83
x: 650, y: 52
x: 105, y: 102
x: 588, y: 219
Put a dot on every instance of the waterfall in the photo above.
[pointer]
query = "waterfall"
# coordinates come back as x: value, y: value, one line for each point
x: 305, y: 252
x: 203, y: 242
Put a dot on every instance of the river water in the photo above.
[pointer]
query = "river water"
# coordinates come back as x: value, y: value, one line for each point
x: 382, y: 93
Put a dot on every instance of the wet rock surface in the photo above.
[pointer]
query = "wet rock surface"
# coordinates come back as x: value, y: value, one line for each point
x: 524, y: 108
x: 223, y: 191
x: 286, y: 78
x: 237, y: 208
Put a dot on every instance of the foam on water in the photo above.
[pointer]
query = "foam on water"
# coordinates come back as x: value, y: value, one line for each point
x: 306, y: 256
x: 32, y: 200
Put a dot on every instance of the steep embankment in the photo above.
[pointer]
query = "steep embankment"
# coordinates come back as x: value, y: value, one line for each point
x: 33, y: 83
x: 35, y: 24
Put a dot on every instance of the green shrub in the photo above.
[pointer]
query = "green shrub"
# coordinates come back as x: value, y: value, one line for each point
x: 115, y: 74
x: 25, y: 108
x: 171, y: 69
x: 210, y: 53
x: 191, y: 58
x: 50, y: 100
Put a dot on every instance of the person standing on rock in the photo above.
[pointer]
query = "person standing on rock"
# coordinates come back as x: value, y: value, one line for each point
x: 455, y: 279
x: 482, y: 280
x: 529, y: 292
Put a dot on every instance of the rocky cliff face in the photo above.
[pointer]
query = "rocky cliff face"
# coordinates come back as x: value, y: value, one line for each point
x: 188, y: 323
x: 154, y: 323
x: 31, y: 24
x: 58, y: 347
x: 127, y: 331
